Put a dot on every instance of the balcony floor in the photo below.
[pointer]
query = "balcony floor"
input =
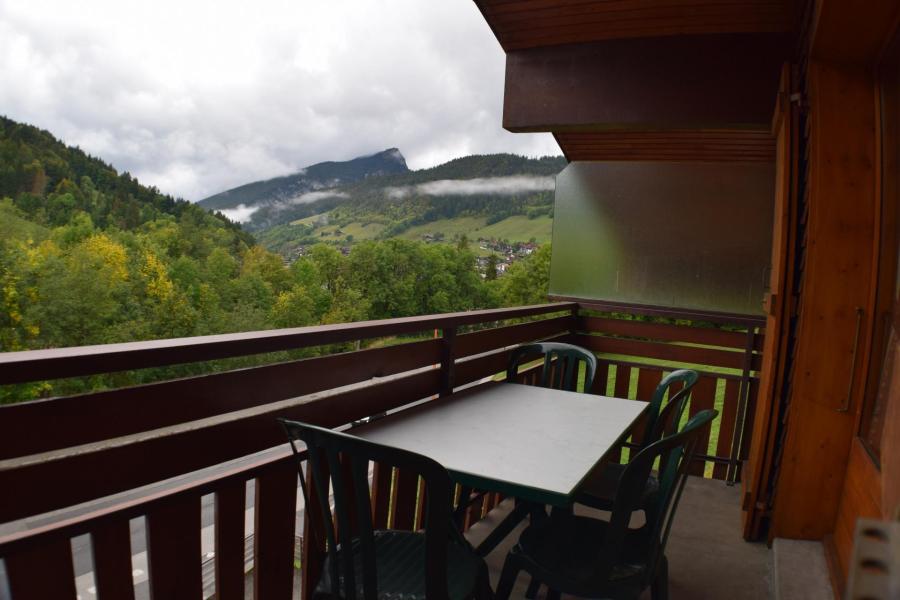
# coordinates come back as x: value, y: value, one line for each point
x: 707, y: 556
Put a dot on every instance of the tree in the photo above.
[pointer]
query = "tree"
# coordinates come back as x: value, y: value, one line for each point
x: 528, y: 280
x: 490, y: 268
x: 293, y: 308
x: 80, y: 293
x: 269, y: 266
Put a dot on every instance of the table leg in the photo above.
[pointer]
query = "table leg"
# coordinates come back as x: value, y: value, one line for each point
x: 521, y: 510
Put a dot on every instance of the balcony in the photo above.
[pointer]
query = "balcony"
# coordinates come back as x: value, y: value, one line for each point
x: 184, y: 487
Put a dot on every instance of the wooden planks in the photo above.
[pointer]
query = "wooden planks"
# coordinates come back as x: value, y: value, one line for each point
x: 499, y: 337
x: 663, y: 351
x: 702, y: 397
x: 38, y: 572
x: 826, y: 387
x: 229, y: 524
x: 755, y: 477
x: 382, y: 476
x: 639, y: 84
x: 37, y: 365
x: 107, y: 470
x: 861, y: 498
x: 111, y: 545
x: 81, y: 419
x: 535, y: 23
x: 727, y: 417
x: 663, y: 331
x: 173, y: 549
x: 314, y: 544
x: 275, y: 517
x: 705, y: 395
x: 736, y: 145
x: 403, y: 499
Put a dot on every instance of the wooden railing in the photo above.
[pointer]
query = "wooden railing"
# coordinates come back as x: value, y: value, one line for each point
x: 58, y: 453
x: 155, y: 450
x: 634, y: 355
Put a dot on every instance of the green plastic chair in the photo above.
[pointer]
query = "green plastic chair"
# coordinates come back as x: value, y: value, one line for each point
x: 561, y: 364
x: 594, y: 558
x: 362, y: 562
x: 599, y: 489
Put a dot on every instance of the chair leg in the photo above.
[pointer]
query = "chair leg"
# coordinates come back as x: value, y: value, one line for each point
x: 533, y: 588
x: 659, y: 589
x: 507, y: 578
x: 537, y: 512
x: 483, y: 589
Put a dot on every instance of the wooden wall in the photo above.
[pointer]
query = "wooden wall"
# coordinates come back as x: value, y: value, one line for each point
x: 837, y: 281
x: 828, y: 479
x: 890, y: 463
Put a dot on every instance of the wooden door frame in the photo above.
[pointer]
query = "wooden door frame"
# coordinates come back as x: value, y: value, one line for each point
x: 778, y: 307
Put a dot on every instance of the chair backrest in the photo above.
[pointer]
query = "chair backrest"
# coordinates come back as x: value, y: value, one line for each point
x: 349, y: 519
x: 666, y: 420
x: 561, y: 364
x: 675, y: 453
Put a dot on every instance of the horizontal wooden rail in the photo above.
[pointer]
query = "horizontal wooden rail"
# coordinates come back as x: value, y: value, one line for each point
x: 489, y: 364
x: 138, y: 506
x: 721, y: 318
x: 75, y: 420
x: 39, y: 365
x: 500, y: 337
x: 65, y: 477
x: 669, y: 333
x: 669, y: 352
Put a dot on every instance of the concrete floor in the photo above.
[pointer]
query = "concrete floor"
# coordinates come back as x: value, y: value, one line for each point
x: 708, y: 559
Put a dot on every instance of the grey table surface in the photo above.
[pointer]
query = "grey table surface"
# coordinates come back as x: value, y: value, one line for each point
x: 534, y: 443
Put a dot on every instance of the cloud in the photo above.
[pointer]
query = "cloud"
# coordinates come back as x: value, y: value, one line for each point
x: 239, y: 214
x: 318, y: 195
x: 396, y: 193
x: 501, y: 186
x: 197, y: 97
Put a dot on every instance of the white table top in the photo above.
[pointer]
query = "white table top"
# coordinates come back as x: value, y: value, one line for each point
x: 530, y: 442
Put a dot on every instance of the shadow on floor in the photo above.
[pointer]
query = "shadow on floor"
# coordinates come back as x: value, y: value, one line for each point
x: 708, y: 558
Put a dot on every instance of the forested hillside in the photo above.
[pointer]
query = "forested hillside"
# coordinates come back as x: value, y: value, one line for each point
x: 90, y: 256
x: 470, y: 194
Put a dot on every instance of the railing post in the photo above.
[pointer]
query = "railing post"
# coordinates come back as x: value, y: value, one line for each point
x: 743, y: 402
x: 574, y: 327
x: 448, y: 339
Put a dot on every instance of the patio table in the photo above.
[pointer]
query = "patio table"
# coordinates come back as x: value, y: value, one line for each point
x: 535, y: 444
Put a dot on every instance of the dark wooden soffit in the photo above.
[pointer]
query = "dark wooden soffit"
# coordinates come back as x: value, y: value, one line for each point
x: 520, y: 24
x: 682, y: 83
x: 853, y: 32
x: 707, y: 146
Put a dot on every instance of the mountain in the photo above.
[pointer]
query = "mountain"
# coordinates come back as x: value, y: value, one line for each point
x: 503, y: 196
x: 263, y: 201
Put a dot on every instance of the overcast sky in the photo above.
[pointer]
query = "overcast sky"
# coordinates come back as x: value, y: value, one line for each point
x: 197, y: 96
